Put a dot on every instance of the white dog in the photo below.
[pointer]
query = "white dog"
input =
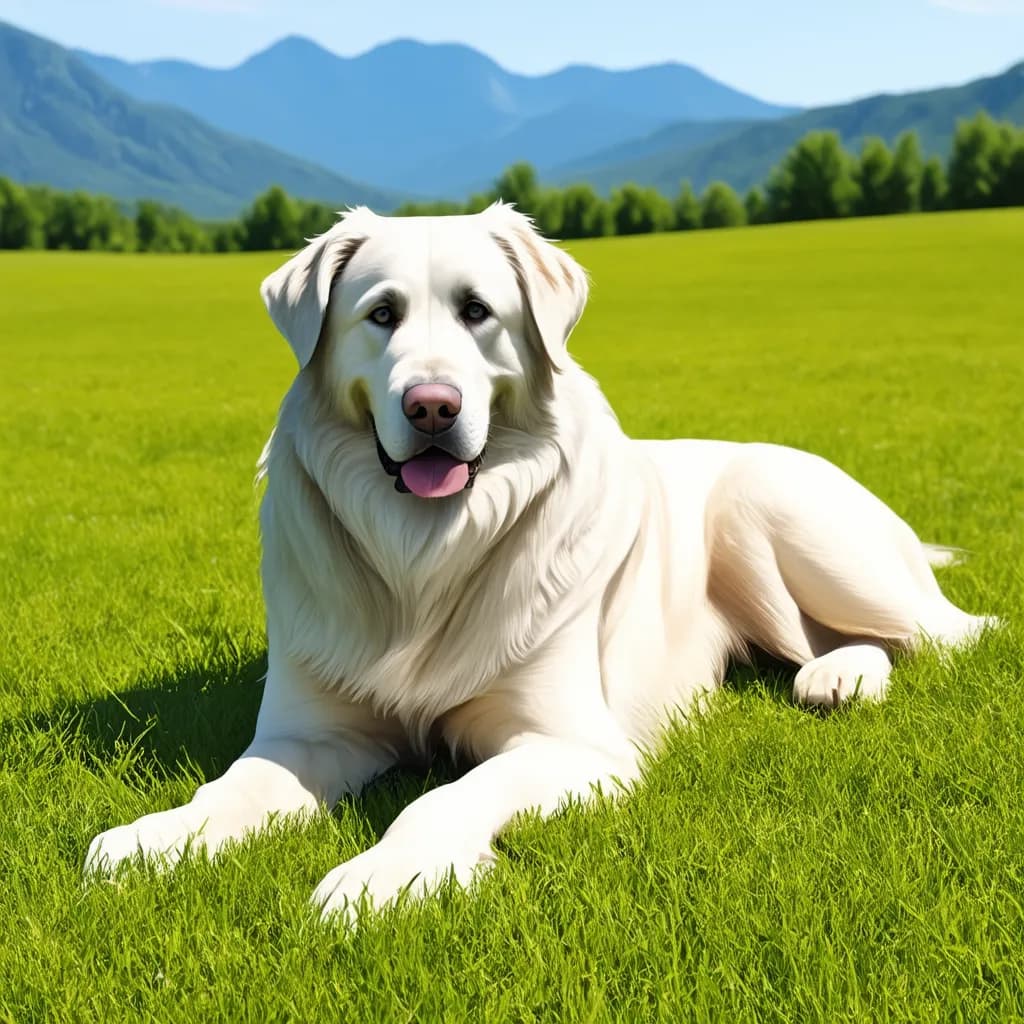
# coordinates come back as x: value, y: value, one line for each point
x: 459, y: 543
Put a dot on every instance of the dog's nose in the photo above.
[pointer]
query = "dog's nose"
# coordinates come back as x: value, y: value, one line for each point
x: 431, y: 408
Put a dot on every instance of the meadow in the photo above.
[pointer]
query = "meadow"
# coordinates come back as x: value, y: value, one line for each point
x: 775, y: 865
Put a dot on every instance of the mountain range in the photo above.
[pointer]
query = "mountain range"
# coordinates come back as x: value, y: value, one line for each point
x: 61, y: 124
x: 438, y: 119
x: 744, y: 153
x: 417, y: 120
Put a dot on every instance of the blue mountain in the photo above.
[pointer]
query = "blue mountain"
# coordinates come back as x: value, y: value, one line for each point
x: 64, y: 125
x: 428, y: 118
x: 743, y: 153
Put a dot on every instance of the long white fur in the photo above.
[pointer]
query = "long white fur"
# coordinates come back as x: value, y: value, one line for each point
x: 548, y: 621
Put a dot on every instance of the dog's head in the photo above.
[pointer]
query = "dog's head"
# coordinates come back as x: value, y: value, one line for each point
x: 429, y: 328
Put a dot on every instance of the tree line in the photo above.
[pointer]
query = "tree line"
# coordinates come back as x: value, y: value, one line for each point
x: 816, y: 179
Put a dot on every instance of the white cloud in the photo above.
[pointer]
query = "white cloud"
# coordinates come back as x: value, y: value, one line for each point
x: 982, y: 6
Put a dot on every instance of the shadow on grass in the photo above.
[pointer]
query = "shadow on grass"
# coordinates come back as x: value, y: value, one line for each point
x: 764, y: 676
x: 198, y: 717
x: 198, y: 720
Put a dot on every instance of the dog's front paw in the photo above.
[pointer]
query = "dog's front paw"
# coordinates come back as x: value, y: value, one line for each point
x: 161, y: 837
x: 392, y: 867
x: 860, y: 670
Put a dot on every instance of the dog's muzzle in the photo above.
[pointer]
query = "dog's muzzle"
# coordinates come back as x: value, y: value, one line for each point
x: 431, y: 473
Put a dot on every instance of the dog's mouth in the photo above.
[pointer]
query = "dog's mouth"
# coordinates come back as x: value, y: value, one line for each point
x: 431, y: 473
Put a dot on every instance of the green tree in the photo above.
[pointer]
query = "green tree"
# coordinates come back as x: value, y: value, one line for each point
x: 872, y: 174
x: 1011, y: 187
x: 982, y: 153
x: 193, y: 236
x: 479, y: 201
x: 637, y: 210
x: 814, y: 181
x: 21, y: 222
x: 226, y: 236
x: 755, y: 206
x: 933, y: 185
x: 686, y: 209
x: 720, y: 207
x: 432, y: 208
x: 901, y: 191
x: 584, y: 213
x: 42, y: 198
x: 149, y: 226
x: 549, y: 212
x: 110, y: 230
x: 518, y: 184
x: 160, y: 228
x: 272, y: 222
x: 69, y: 225
x: 315, y: 218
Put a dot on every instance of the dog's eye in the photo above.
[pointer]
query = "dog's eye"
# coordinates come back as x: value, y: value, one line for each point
x: 475, y: 311
x: 383, y: 315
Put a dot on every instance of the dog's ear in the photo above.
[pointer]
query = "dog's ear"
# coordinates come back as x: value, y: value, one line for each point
x: 296, y: 294
x: 554, y: 286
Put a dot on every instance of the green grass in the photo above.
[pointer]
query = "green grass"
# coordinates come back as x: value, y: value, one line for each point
x: 775, y: 866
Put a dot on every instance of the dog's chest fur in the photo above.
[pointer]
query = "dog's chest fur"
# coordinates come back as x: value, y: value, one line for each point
x: 415, y: 624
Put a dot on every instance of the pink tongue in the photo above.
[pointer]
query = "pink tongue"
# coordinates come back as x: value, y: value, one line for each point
x: 435, y: 475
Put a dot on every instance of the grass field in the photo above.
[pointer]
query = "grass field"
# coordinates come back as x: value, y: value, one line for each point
x: 775, y: 866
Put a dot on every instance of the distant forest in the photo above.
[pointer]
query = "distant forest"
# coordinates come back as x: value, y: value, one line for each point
x: 816, y: 179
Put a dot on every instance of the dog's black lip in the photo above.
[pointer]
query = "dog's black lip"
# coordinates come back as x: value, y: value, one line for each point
x: 393, y: 468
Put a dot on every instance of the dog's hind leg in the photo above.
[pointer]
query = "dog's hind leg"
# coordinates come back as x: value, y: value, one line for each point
x: 816, y: 569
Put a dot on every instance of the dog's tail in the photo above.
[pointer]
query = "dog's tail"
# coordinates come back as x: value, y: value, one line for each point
x: 939, y: 556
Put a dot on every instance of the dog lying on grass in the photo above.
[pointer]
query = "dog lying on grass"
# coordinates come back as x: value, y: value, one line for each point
x: 459, y: 543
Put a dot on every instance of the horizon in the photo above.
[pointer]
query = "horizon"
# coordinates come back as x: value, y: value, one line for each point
x: 221, y: 34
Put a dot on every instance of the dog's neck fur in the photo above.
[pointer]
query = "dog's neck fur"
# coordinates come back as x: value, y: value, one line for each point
x: 422, y: 578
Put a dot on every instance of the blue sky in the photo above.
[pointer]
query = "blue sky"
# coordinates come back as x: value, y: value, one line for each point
x: 790, y: 51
